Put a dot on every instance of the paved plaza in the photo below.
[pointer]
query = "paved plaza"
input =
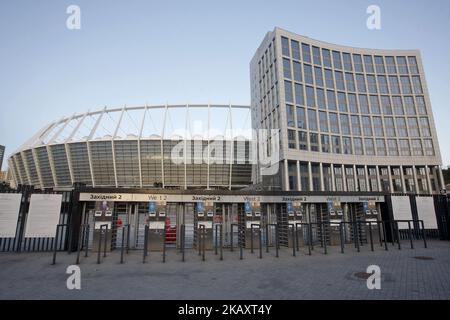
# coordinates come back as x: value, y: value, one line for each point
x: 405, y: 274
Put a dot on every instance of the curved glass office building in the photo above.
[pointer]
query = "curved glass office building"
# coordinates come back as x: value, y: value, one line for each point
x: 141, y: 146
x: 350, y: 119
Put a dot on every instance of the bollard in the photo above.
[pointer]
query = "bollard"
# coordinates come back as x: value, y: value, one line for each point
x: 276, y: 240
x: 398, y: 235
x: 310, y: 236
x: 370, y: 235
x: 100, y: 245
x: 203, y: 242
x: 260, y: 243
x: 182, y: 241
x: 80, y: 241
x: 356, y: 236
x: 86, y: 245
x: 123, y: 245
x: 296, y: 237
x: 145, y: 243
x: 106, y: 240
x: 392, y: 232
x: 324, y: 239
x: 423, y: 233
x: 221, y: 242
x: 267, y: 238
x: 410, y: 235
x: 164, y: 243
x: 293, y: 239
x: 215, y: 239
x: 241, y: 240
x: 251, y: 238
x: 379, y: 224
x: 341, y: 236
x: 384, y: 235
x: 128, y: 237
x: 55, y: 244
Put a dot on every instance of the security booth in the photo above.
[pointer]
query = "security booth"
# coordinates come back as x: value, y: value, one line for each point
x: 156, y: 221
x: 252, y: 223
x: 295, y: 219
x: 335, y: 212
x: 103, y: 218
x: 203, y: 220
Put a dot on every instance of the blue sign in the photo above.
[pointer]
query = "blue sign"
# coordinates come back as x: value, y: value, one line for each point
x: 366, y: 206
x: 290, y: 207
x: 200, y: 207
x: 248, y: 207
x: 330, y: 206
x: 152, y: 206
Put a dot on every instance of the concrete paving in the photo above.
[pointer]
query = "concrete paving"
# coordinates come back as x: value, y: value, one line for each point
x: 405, y: 274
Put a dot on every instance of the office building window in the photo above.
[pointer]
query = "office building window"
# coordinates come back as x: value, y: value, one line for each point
x: 295, y: 49
x: 302, y: 140
x: 306, y: 54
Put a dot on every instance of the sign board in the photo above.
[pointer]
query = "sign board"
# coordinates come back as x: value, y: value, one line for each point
x: 99, y: 224
x: 401, y: 209
x: 426, y: 212
x: 200, y: 207
x: 152, y: 206
x: 9, y: 214
x: 248, y: 207
x: 256, y: 200
x: 43, y: 215
x: 157, y: 225
x: 207, y: 224
x: 248, y: 224
x: 290, y: 207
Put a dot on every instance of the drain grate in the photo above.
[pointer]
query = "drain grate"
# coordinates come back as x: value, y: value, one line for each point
x: 423, y: 258
x: 362, y: 275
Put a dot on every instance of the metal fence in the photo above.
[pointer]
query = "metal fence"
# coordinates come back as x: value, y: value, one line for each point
x: 20, y: 243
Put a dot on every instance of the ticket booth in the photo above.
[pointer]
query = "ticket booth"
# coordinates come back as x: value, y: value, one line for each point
x: 204, y: 216
x: 336, y: 215
x: 156, y: 221
x: 295, y: 215
x: 103, y: 215
x: 252, y: 217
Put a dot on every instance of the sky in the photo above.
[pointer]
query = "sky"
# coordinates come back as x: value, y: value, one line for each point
x: 135, y: 52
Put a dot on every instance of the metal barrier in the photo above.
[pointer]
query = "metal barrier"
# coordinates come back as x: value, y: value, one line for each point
x: 145, y: 252
x: 252, y: 226
x: 105, y: 234
x: 201, y: 236
x: 309, y: 235
x: 55, y: 242
x: 294, y: 237
x: 410, y: 233
x: 277, y: 241
x: 164, y: 243
x: 83, y: 238
x: 232, y: 235
x: 218, y: 227
x: 323, y: 238
x: 127, y: 226
x: 182, y: 242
